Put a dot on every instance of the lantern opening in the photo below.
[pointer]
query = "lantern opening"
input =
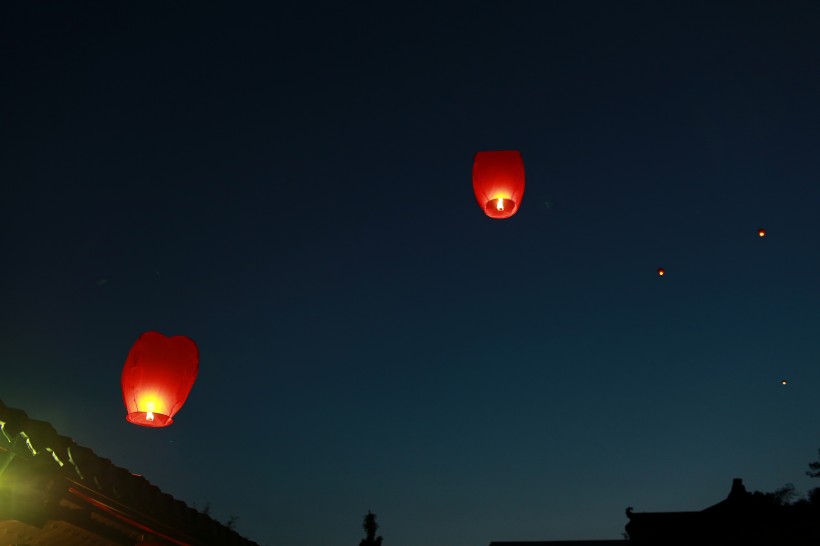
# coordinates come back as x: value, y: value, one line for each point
x: 149, y: 419
x: 499, y: 208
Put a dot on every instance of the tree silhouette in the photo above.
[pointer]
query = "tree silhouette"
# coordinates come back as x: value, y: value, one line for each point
x: 370, y: 526
x: 785, y: 495
x: 814, y: 471
x: 814, y: 468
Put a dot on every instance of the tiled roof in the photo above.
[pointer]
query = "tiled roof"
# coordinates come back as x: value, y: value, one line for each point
x: 64, y: 494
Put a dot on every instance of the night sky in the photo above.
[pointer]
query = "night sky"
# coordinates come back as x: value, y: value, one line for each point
x: 290, y: 186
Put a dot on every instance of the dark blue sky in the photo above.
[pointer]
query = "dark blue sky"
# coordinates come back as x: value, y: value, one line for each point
x: 290, y: 187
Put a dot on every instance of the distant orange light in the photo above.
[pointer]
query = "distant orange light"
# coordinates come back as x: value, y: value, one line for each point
x: 761, y: 232
x: 661, y: 272
x: 498, y: 182
x: 784, y: 382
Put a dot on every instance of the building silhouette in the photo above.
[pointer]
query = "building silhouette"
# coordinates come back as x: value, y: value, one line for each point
x: 743, y: 518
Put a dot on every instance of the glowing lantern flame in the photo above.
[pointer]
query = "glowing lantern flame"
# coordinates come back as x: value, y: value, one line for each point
x: 157, y: 377
x: 661, y: 272
x: 498, y: 182
x: 761, y: 232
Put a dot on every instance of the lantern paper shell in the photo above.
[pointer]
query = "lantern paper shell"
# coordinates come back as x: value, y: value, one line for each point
x: 498, y: 182
x: 157, y: 377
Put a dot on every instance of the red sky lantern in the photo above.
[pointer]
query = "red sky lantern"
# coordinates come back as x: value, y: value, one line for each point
x: 157, y: 377
x: 661, y: 272
x: 498, y: 182
x: 761, y: 232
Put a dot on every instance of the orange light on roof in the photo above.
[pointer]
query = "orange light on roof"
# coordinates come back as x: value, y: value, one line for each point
x: 157, y: 377
x: 498, y: 182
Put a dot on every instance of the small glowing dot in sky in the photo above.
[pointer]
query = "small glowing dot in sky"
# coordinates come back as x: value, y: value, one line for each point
x: 784, y: 382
